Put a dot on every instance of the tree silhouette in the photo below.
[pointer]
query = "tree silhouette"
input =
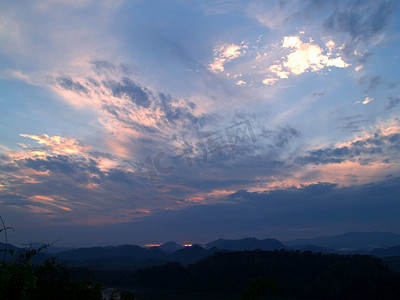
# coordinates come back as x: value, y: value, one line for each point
x: 257, y: 286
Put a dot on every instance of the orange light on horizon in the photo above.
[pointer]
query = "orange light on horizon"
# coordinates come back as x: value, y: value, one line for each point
x: 188, y: 245
x: 152, y: 245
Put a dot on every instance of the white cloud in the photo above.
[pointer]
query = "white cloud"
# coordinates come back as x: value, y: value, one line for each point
x: 59, y: 145
x: 277, y: 69
x: 224, y: 54
x: 270, y: 81
x: 365, y: 101
x: 308, y: 56
x: 304, y: 57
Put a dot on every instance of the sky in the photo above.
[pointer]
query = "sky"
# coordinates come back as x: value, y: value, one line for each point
x: 141, y: 122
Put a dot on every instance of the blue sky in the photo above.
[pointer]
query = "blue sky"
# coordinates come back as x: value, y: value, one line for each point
x: 147, y: 121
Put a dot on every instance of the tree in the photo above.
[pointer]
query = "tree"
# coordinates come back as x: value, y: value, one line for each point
x: 19, y: 279
x: 257, y: 286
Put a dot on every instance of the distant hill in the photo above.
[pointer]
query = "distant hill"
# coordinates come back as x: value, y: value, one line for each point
x: 391, y: 251
x: 5, y: 254
x: 122, y: 252
x: 192, y: 254
x: 352, y: 241
x: 246, y: 244
x: 314, y: 249
x: 128, y: 254
x: 379, y: 244
x: 53, y: 249
x: 169, y: 247
x: 16, y: 251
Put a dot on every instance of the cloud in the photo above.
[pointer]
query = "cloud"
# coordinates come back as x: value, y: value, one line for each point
x: 283, y: 135
x: 224, y: 54
x: 365, y: 101
x: 286, y: 213
x: 270, y: 81
x: 166, y: 125
x: 378, y: 147
x: 277, y: 70
x: 82, y: 185
x: 127, y: 88
x: 99, y: 185
x: 293, y: 57
x: 59, y: 145
x: 308, y: 56
x: 303, y: 57
x: 362, y: 21
x: 392, y: 103
x: 68, y: 84
x: 129, y: 110
x: 221, y: 7
x: 352, y: 123
x: 274, y: 14
x: 66, y: 32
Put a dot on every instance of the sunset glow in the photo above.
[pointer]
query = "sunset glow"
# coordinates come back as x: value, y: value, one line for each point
x: 129, y: 122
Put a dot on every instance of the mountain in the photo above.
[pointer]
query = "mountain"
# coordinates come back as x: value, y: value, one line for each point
x: 352, y: 241
x: 3, y: 246
x: 169, y: 247
x: 4, y: 252
x: 122, y: 252
x: 313, y: 248
x: 391, y: 251
x: 246, y: 244
x: 39, y: 257
x: 128, y: 254
x: 192, y: 254
x: 50, y: 250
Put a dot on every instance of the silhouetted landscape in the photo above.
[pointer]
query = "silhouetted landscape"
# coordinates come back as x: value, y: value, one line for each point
x: 199, y: 149
x: 236, y: 269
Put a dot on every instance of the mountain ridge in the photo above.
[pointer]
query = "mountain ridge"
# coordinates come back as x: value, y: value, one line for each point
x: 171, y: 251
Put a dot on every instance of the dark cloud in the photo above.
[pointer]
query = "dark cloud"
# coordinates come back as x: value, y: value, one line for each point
x: 59, y: 163
x: 102, y: 66
x: 69, y: 84
x: 120, y: 176
x: 112, y: 110
x: 127, y: 88
x: 372, y: 82
x: 393, y: 85
x: 360, y: 150
x: 350, y: 118
x: 178, y: 114
x: 284, y: 135
x: 320, y: 94
x: 79, y: 170
x: 352, y: 123
x: 279, y: 137
x: 392, y: 103
x: 322, y: 208
x: 363, y: 21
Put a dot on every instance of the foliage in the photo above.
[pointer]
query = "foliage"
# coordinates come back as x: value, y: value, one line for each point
x: 122, y: 295
x: 300, y: 275
x: 19, y: 279
x: 257, y: 286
